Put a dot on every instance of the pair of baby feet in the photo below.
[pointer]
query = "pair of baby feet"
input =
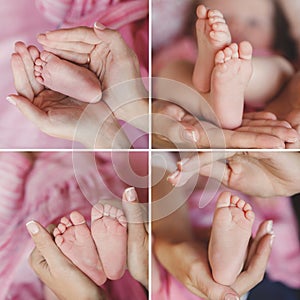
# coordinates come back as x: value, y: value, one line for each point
x: 99, y: 252
x: 223, y: 69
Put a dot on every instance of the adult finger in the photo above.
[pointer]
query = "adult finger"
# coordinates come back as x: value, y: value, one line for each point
x: 288, y: 135
x: 256, y: 268
x: 30, y: 111
x: 78, y: 58
x: 74, y: 46
x: 44, y: 244
x: 257, y: 123
x: 207, y: 164
x: 135, y: 212
x: 261, y: 115
x: 28, y: 62
x: 77, y: 34
x: 240, y: 139
x: 265, y: 227
x: 22, y: 83
x: 180, y: 135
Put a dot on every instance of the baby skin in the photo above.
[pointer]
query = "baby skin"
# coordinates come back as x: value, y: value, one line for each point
x: 109, y: 231
x: 74, y: 239
x: 212, y: 35
x: 67, y: 78
x: 230, y: 235
x: 229, y: 80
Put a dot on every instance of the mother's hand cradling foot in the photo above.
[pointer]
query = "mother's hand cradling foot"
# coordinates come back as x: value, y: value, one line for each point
x: 56, y: 270
x: 57, y: 114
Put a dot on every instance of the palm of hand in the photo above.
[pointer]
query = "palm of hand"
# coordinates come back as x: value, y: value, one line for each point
x: 62, y: 112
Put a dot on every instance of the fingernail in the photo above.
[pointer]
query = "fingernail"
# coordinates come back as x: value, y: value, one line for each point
x: 270, y: 227
x: 99, y: 26
x: 190, y: 135
x: 11, y: 101
x: 130, y: 194
x: 32, y: 227
x: 292, y: 140
x: 182, y: 162
x: 272, y: 239
x: 173, y: 176
x: 231, y: 297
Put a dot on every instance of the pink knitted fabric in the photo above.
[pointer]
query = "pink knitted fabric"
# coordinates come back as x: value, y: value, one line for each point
x: 55, y: 185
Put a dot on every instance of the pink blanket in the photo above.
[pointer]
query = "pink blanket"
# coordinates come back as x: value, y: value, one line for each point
x: 21, y: 20
x: 52, y: 187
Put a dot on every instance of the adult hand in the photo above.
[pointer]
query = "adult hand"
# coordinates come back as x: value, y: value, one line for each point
x: 56, y: 270
x: 287, y: 105
x: 262, y: 174
x: 137, y: 218
x: 59, y: 115
x: 115, y: 64
x: 175, y: 127
x: 193, y: 270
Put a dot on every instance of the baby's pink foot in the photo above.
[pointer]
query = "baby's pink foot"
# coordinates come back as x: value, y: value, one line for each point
x: 212, y: 35
x: 75, y: 241
x: 231, y: 231
x: 229, y: 80
x: 67, y: 78
x: 109, y: 231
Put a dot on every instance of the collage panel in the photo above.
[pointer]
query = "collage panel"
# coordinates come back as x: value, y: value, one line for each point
x: 225, y: 225
x: 225, y: 74
x: 74, y: 225
x: 75, y: 74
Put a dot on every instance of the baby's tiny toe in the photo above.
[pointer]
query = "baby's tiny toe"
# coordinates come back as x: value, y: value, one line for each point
x: 65, y: 221
x: 247, y: 207
x: 62, y: 227
x: 234, y: 199
x: 59, y: 240
x: 38, y: 62
x: 113, y: 212
x: 215, y: 13
x: 250, y: 215
x: 56, y: 232
x: 241, y: 204
x: 107, y: 209
x: 122, y: 220
x: 97, y: 212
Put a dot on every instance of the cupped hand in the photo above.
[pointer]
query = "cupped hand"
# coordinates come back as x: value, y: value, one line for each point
x: 59, y: 115
x: 261, y: 174
x: 116, y: 66
x: 56, y: 271
x: 175, y: 127
x: 192, y: 268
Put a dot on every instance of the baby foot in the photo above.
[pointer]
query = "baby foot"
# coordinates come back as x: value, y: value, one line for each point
x: 67, y: 78
x: 75, y: 241
x: 231, y: 231
x: 212, y: 35
x: 109, y: 231
x: 229, y: 80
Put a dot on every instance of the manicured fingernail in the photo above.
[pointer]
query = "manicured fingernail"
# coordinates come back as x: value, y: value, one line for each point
x: 231, y: 297
x: 11, y: 101
x: 182, y: 162
x: 190, y: 135
x: 272, y: 239
x: 270, y: 227
x: 292, y: 140
x: 99, y: 26
x: 32, y: 227
x: 130, y: 194
x: 171, y: 177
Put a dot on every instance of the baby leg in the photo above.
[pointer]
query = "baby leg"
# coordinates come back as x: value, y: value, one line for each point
x: 231, y: 231
x: 67, y: 78
x: 109, y: 231
x: 229, y: 80
x: 212, y: 35
x: 74, y: 239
